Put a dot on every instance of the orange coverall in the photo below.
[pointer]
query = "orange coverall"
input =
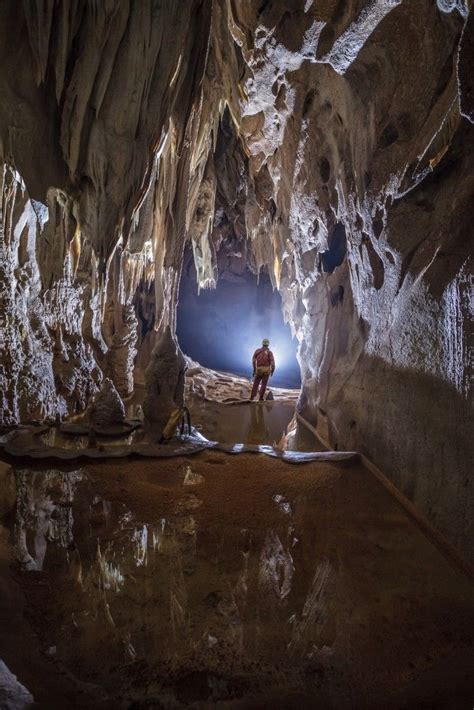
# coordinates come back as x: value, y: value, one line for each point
x: 263, y: 365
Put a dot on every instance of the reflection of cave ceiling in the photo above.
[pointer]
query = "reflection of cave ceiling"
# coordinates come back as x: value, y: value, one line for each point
x: 334, y: 139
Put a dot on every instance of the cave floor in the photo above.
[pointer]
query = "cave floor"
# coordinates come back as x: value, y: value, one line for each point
x: 220, y: 581
x: 247, y: 423
x: 219, y: 407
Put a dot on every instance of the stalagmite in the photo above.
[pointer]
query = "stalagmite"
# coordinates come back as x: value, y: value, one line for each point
x: 164, y: 380
x: 107, y: 408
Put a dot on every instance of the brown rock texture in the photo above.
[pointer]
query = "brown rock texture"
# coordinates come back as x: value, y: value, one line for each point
x: 333, y: 139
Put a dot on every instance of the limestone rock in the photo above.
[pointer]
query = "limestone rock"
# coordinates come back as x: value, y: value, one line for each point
x: 164, y: 380
x: 13, y: 695
x: 107, y: 408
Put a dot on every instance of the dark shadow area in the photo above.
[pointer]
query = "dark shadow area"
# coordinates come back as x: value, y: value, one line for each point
x: 222, y: 327
x: 337, y: 244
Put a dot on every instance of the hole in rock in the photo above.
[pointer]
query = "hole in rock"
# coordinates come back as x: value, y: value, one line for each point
x: 389, y: 136
x: 378, y: 224
x: 324, y: 169
x: 222, y: 327
x: 376, y: 264
x: 337, y: 243
x: 337, y: 295
x: 280, y: 102
x: 308, y: 102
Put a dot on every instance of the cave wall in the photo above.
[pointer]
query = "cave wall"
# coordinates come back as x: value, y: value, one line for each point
x: 335, y: 137
x: 365, y: 164
x: 386, y: 337
x: 47, y: 366
x: 92, y: 96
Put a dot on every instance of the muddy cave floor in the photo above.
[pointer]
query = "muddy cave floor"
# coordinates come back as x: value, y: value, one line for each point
x: 226, y: 581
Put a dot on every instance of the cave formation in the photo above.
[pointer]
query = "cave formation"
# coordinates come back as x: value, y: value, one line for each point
x: 323, y: 146
x: 221, y: 327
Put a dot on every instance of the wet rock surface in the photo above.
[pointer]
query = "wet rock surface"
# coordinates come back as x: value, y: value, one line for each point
x: 254, y: 587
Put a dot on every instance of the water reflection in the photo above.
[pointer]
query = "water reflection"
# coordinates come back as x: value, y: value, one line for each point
x: 163, y: 592
x: 182, y: 597
x: 56, y: 438
x: 258, y: 428
x: 43, y: 514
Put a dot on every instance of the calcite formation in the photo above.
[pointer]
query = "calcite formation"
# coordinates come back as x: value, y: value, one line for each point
x: 164, y: 380
x: 107, y: 408
x: 333, y: 139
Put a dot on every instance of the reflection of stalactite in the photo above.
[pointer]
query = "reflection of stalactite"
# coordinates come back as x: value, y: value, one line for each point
x: 110, y: 574
x: 305, y: 628
x: 140, y: 538
x: 39, y: 515
x: 276, y: 568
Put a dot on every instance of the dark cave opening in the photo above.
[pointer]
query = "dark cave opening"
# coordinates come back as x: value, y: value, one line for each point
x: 337, y: 248
x: 222, y: 327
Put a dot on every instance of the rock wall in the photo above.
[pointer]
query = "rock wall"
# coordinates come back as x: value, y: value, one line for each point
x: 336, y: 137
x: 369, y: 166
x: 47, y: 368
x: 92, y: 95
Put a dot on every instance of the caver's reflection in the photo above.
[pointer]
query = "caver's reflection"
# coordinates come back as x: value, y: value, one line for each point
x: 259, y: 432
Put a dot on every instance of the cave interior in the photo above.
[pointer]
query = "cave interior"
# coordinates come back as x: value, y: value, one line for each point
x: 179, y: 181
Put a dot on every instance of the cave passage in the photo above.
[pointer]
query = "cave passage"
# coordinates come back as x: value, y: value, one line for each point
x: 222, y: 327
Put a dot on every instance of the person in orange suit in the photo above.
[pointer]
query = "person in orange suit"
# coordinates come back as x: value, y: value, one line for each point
x: 263, y: 367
